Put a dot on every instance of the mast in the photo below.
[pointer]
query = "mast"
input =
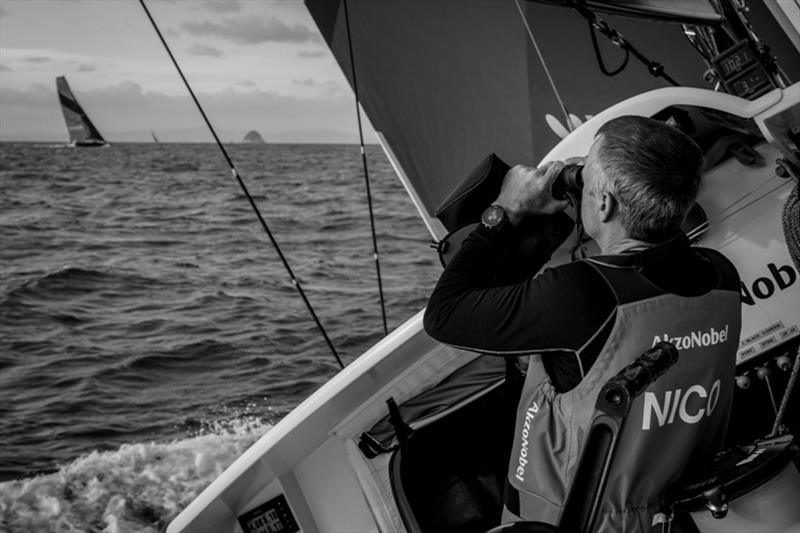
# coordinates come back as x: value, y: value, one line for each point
x: 81, y: 130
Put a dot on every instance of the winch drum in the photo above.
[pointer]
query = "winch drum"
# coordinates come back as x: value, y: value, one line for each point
x: 760, y: 485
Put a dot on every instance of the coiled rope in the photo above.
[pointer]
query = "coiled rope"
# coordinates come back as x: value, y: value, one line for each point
x: 791, y: 231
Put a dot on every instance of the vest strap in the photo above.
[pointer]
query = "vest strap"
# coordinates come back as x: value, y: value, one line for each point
x: 511, y: 498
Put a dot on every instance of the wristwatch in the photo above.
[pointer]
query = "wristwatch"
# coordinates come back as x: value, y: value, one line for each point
x: 494, y: 217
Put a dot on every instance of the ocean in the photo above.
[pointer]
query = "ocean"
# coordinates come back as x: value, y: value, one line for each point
x: 149, y: 332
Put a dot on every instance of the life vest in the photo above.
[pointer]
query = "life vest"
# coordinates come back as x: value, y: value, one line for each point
x: 677, y: 425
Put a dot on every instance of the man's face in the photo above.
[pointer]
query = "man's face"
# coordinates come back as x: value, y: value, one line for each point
x: 593, y: 188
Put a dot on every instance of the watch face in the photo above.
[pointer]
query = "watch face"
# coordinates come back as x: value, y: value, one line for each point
x: 493, y: 216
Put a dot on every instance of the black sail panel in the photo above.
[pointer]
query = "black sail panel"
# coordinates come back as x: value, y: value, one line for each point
x: 80, y: 127
x: 450, y: 81
x: 445, y: 83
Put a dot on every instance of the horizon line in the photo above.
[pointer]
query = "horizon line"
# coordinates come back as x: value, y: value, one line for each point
x: 212, y: 142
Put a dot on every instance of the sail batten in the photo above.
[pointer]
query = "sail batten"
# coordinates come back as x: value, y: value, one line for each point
x: 82, y: 131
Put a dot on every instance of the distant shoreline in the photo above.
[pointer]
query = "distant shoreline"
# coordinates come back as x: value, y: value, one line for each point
x: 266, y: 143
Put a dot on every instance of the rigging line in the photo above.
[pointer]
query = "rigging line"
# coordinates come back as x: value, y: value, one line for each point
x: 375, y: 254
x: 654, y: 68
x: 544, y: 66
x: 235, y: 173
x: 723, y: 213
x: 705, y: 226
x: 599, y: 56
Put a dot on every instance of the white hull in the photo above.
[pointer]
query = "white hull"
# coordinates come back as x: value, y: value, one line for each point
x: 311, y: 456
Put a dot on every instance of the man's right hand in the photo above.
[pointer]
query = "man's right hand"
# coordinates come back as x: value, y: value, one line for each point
x: 526, y: 191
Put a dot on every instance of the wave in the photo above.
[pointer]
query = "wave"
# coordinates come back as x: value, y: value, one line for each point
x: 203, y: 354
x: 175, y: 166
x: 138, y: 487
x: 70, y: 280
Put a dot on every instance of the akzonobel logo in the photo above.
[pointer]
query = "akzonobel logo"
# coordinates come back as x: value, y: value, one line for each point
x: 695, y: 339
x: 530, y: 414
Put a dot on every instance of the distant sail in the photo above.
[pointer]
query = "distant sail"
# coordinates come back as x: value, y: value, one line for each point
x: 155, y: 139
x: 81, y: 130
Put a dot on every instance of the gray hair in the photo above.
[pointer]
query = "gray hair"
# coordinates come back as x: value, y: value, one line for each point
x: 654, y: 172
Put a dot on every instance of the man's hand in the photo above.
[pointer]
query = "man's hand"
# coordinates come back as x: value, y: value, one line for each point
x: 526, y: 191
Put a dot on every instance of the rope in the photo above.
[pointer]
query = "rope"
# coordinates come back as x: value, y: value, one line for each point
x: 599, y: 56
x: 791, y: 230
x: 732, y: 209
x: 375, y: 254
x: 653, y: 67
x: 568, y: 122
x: 791, y: 224
x: 236, y: 175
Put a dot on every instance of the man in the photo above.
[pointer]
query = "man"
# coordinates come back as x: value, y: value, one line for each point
x: 582, y: 322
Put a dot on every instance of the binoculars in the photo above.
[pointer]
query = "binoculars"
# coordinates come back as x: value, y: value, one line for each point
x: 569, y: 182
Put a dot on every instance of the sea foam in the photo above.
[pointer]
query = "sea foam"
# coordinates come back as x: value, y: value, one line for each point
x: 139, y: 487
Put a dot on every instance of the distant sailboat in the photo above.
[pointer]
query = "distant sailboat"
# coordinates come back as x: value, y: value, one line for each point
x: 81, y: 130
x: 155, y: 139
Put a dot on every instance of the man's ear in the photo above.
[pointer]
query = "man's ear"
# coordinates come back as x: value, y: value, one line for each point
x: 608, y: 206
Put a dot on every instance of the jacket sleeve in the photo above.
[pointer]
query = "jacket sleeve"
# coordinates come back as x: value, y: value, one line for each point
x: 545, y: 312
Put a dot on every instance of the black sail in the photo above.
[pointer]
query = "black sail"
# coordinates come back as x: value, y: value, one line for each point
x: 447, y: 82
x: 81, y: 130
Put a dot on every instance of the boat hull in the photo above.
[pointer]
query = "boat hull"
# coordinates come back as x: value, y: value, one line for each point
x: 311, y: 457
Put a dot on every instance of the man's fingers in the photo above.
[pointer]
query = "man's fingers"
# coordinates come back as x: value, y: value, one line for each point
x: 576, y: 160
x: 551, y: 172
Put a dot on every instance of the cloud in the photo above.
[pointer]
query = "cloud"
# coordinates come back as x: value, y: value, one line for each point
x: 311, y: 53
x: 204, y: 50
x: 305, y: 82
x: 247, y: 83
x: 311, y: 82
x: 335, y: 90
x: 83, y: 67
x: 4, y: 68
x: 223, y: 6
x: 249, y: 30
x: 38, y: 59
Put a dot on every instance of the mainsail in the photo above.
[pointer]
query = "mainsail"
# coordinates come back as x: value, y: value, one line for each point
x: 81, y: 130
x: 446, y: 83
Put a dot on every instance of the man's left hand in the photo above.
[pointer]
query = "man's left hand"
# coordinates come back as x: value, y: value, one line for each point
x: 526, y: 191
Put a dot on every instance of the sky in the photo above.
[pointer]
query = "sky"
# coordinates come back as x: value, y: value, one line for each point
x: 253, y: 64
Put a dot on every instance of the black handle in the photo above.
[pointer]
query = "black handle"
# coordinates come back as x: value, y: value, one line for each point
x: 631, y: 381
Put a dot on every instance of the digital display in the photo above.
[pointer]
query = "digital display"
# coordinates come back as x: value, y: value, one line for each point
x: 752, y: 83
x: 268, y: 522
x: 741, y: 72
x: 735, y: 62
x: 271, y: 517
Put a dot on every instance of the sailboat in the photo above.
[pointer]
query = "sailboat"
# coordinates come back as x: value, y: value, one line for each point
x: 406, y: 437
x: 81, y: 130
